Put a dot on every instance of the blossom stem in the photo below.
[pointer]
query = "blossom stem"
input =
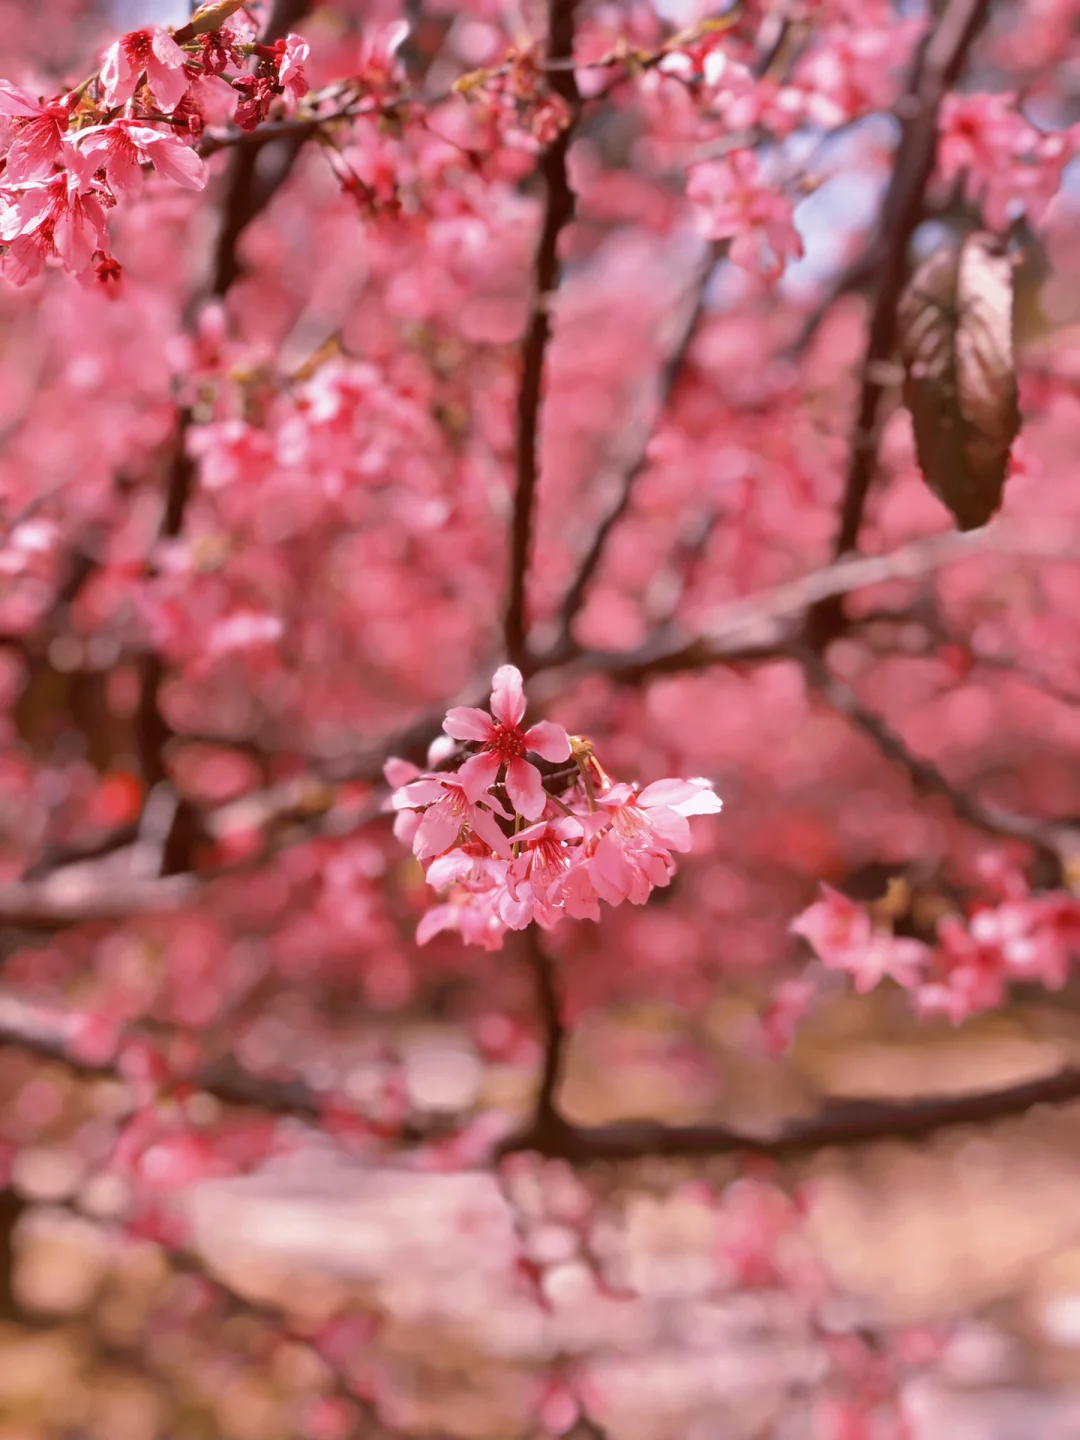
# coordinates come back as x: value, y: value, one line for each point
x: 590, y: 794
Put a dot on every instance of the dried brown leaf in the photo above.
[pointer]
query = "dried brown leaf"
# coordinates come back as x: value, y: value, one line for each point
x: 956, y: 344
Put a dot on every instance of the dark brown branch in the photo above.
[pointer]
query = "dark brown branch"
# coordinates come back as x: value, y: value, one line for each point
x: 546, y: 1119
x: 936, y: 69
x: 840, y: 1125
x: 558, y: 212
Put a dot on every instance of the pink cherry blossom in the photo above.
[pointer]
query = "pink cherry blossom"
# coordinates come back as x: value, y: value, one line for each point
x: 637, y: 832
x: 733, y: 203
x: 292, y: 52
x: 535, y: 873
x: 152, y: 52
x: 38, y: 133
x: 843, y: 937
x: 122, y: 146
x: 449, y: 815
x: 504, y: 745
x: 60, y: 217
x: 475, y: 886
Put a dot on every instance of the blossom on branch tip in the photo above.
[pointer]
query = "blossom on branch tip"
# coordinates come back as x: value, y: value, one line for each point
x: 448, y: 811
x: 735, y: 204
x: 504, y: 744
x: 121, y: 147
x: 62, y: 217
x: 152, y: 52
x: 39, y: 128
x: 571, y: 837
x: 291, y: 54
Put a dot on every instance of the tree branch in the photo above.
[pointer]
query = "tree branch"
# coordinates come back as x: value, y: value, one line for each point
x: 840, y: 1125
x: 937, y: 66
x: 558, y: 212
x: 546, y: 1119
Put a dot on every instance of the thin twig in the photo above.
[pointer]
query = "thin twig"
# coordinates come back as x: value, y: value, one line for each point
x: 937, y: 66
x: 558, y: 212
x: 1054, y: 841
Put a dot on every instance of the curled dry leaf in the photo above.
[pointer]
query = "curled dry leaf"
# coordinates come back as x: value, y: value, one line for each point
x: 956, y: 344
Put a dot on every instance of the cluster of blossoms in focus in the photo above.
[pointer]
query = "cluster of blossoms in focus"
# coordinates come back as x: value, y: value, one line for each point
x: 1023, y: 938
x: 504, y: 844
x: 69, y: 159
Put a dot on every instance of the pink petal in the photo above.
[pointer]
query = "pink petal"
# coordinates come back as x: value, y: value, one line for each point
x: 167, y: 50
x: 485, y: 825
x: 437, y: 919
x: 478, y: 774
x: 436, y: 833
x: 118, y: 77
x: 168, y: 84
x: 465, y: 722
x: 549, y: 740
x: 14, y: 101
x: 406, y: 824
x: 507, y: 695
x: 671, y: 828
x: 448, y: 869
x: 688, y: 797
x: 417, y: 792
x: 525, y: 789
x: 170, y: 157
x: 515, y: 913
x: 398, y: 772
x: 611, y: 873
x: 33, y: 152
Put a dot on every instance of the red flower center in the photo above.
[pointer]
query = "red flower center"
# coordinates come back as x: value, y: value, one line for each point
x: 508, y: 741
x: 138, y: 46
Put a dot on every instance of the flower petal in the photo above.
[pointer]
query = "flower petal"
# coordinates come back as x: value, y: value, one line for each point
x: 688, y: 797
x: 417, y: 792
x: 670, y: 828
x: 478, y: 774
x: 484, y: 825
x: 507, y: 695
x: 436, y: 833
x: 465, y: 722
x: 14, y: 101
x: 549, y: 740
x: 170, y: 156
x: 169, y: 83
x: 525, y: 789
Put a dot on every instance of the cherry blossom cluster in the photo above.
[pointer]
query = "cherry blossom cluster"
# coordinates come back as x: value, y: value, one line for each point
x: 1023, y: 938
x: 1006, y: 165
x: 504, y: 844
x: 71, y: 157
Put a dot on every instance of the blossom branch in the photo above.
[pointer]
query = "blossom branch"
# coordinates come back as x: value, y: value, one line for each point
x: 558, y: 212
x: 936, y: 69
